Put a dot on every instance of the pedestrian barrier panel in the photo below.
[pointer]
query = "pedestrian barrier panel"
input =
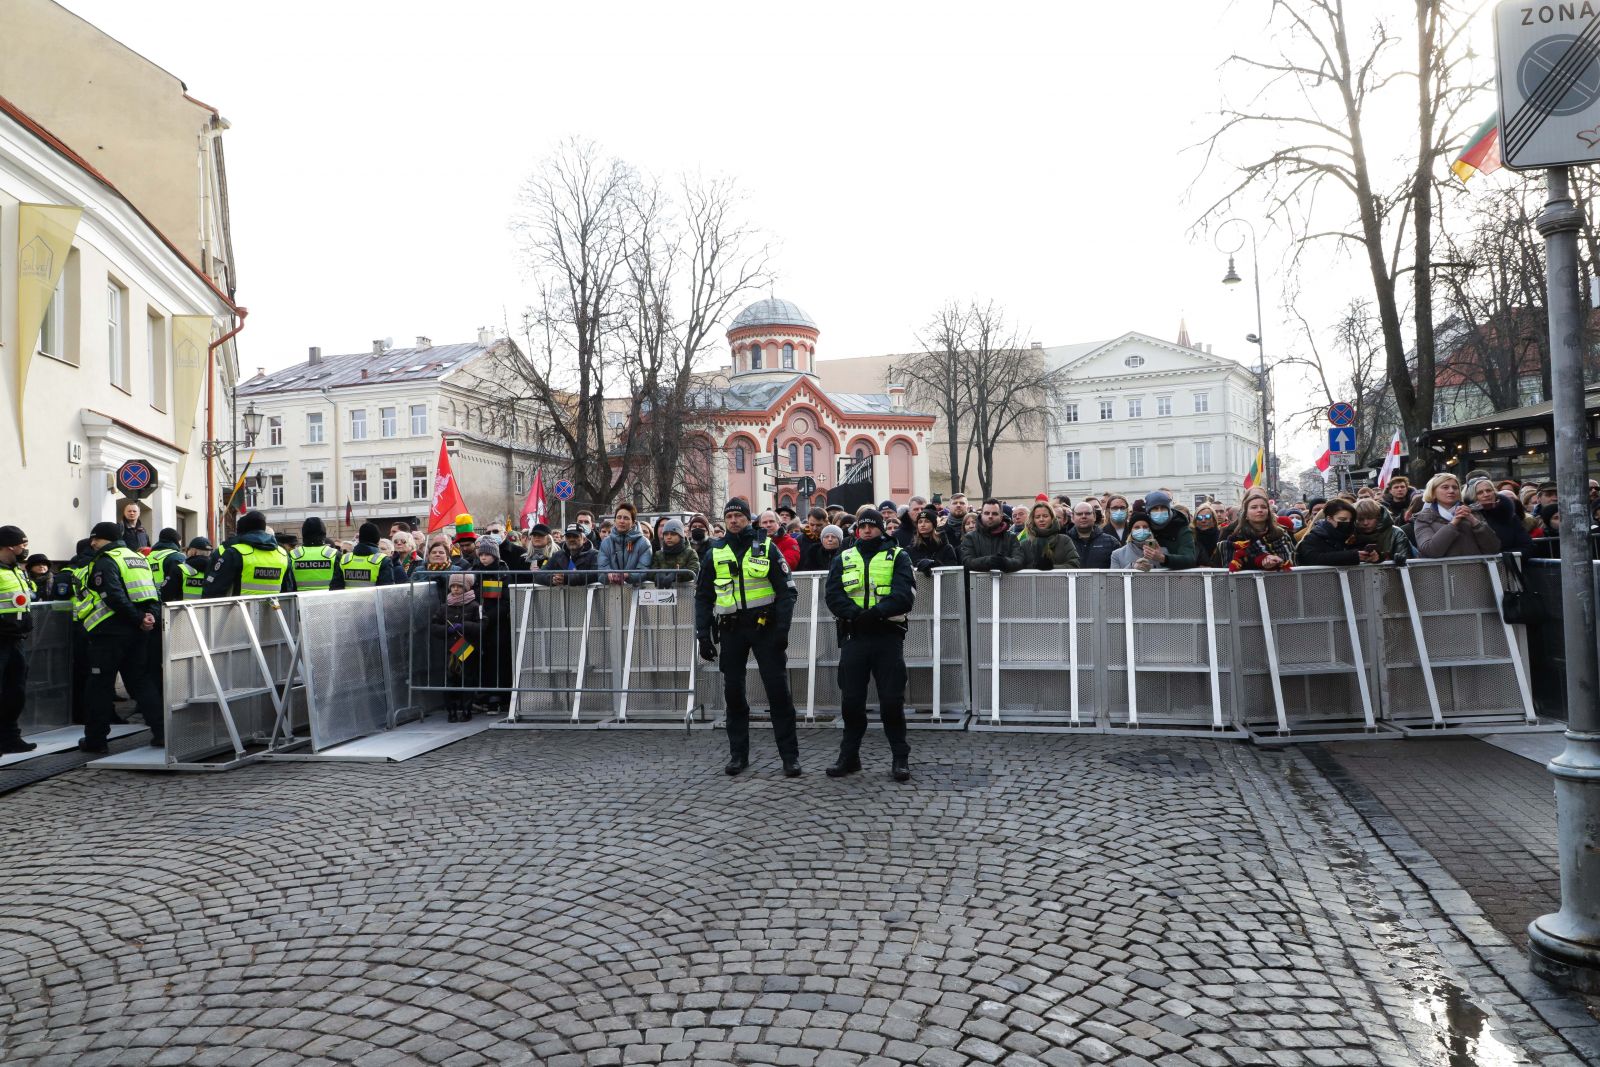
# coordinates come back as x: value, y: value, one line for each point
x: 1168, y: 658
x: 51, y: 675
x: 234, y: 680
x: 660, y: 655
x: 1450, y: 661
x: 356, y: 667
x: 1303, y: 665
x: 936, y: 652
x: 1037, y: 649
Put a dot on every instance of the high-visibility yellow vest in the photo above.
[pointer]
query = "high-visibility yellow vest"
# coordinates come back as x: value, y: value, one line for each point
x: 313, y: 567
x: 16, y: 590
x: 866, y: 585
x: 158, y: 562
x: 78, y: 576
x: 739, y: 586
x: 194, y: 581
x: 134, y: 570
x: 262, y: 571
x: 360, y: 570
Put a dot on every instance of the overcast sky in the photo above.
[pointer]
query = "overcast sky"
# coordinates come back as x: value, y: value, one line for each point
x: 897, y: 155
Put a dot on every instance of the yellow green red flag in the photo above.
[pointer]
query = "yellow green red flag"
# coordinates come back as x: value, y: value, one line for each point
x: 1254, y: 477
x: 1482, y: 154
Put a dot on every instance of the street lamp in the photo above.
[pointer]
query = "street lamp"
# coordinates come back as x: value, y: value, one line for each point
x: 252, y: 427
x: 1263, y: 385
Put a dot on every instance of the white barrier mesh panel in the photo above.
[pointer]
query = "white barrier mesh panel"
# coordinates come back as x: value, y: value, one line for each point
x: 662, y: 650
x: 1172, y: 647
x: 566, y: 633
x: 49, y: 653
x: 195, y: 726
x: 1317, y: 663
x: 343, y: 655
x: 1036, y: 627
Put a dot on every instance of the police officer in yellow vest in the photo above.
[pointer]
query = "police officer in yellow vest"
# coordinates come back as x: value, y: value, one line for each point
x: 745, y: 593
x: 871, y: 589
x: 253, y: 565
x: 122, y: 613
x: 165, y: 557
x: 16, y: 622
x: 192, y: 571
x: 364, y: 566
x: 314, y: 561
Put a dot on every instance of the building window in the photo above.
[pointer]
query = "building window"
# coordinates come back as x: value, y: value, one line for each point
x: 738, y: 458
x: 53, y: 331
x: 275, y: 429
x: 358, y: 486
x: 117, y: 336
x: 419, y: 483
x: 1202, y: 457
x: 1074, y: 465
x: 314, y: 487
x: 388, y: 422
x: 522, y: 482
x: 1136, y: 408
x: 276, y: 485
x: 1106, y: 413
x: 1202, y: 403
x: 794, y: 458
x: 755, y: 357
x: 1136, y: 461
x: 389, y: 484
x: 1163, y: 406
x: 419, y: 420
x: 252, y: 499
x: 1200, y: 498
x: 811, y: 459
x: 1133, y: 362
x: 788, y: 357
x: 860, y: 454
x: 313, y: 427
x: 358, y: 424
x: 155, y: 346
x: 1069, y: 413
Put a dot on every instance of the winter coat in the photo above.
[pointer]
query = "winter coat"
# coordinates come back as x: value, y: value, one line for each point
x: 1128, y: 554
x: 1507, y: 526
x: 1094, y: 551
x: 1049, y: 549
x: 705, y: 588
x: 1390, y: 539
x: 587, y: 559
x: 1326, y: 545
x: 1242, y: 547
x: 816, y: 557
x: 1205, y: 544
x: 902, y: 596
x: 449, y: 625
x: 494, y: 670
x: 682, y: 558
x: 926, y: 555
x: 789, y: 549
x: 983, y: 550
x: 1438, y: 537
x: 626, y: 552
x: 1177, y: 537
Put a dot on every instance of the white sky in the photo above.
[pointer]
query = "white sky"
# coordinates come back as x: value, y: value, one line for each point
x: 897, y: 154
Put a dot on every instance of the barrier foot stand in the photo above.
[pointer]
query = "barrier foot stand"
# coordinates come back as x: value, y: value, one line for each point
x: 1355, y: 730
x: 946, y: 720
x: 392, y: 746
x: 1509, y: 722
x: 1021, y: 723
x: 676, y: 722
x: 63, y: 739
x: 1146, y: 728
x: 155, y: 759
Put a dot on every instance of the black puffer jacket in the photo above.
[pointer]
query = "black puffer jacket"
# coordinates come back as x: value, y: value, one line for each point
x: 926, y: 555
x: 1327, y: 545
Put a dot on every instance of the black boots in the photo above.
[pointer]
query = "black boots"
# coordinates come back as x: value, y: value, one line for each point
x: 9, y: 748
x: 791, y: 768
x: 901, y: 769
x: 736, y: 765
x: 844, y: 765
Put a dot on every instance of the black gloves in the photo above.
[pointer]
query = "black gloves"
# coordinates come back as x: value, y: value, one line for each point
x: 870, y: 614
x: 708, y: 648
x: 925, y: 567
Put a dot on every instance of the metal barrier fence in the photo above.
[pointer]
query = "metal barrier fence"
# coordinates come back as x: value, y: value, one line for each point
x: 51, y: 674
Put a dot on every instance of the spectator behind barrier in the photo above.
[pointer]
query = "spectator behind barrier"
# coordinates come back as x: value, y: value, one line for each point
x: 1207, y: 532
x: 1256, y: 541
x: 1174, y: 546
x: 1499, y: 512
x: 1047, y: 547
x: 992, y: 546
x: 1332, y: 542
x: 929, y: 549
x: 786, y: 545
x: 436, y: 563
x: 1447, y: 527
x: 575, y: 555
x: 1093, y: 545
x: 1132, y: 555
x: 1375, y: 526
x: 1397, y: 497
x: 678, y: 560
x: 625, y: 549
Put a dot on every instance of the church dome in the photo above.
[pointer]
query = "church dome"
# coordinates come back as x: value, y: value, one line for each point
x: 772, y: 312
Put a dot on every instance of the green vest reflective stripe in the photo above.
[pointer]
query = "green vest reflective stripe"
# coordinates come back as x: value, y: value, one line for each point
x: 83, y: 601
x: 134, y: 570
x: 194, y: 581
x: 158, y: 562
x: 262, y: 570
x: 16, y: 591
x: 313, y: 567
x: 866, y: 585
x: 360, y: 570
x: 748, y: 586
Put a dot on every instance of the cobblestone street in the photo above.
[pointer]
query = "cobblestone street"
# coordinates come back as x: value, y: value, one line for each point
x: 613, y: 898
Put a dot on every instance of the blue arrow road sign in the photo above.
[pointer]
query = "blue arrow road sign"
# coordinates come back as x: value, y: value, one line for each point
x: 1341, y: 439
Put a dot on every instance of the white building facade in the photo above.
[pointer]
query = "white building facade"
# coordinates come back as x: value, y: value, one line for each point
x: 363, y: 430
x: 1138, y: 413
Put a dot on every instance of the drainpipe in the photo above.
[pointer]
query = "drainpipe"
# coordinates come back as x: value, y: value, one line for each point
x: 211, y: 419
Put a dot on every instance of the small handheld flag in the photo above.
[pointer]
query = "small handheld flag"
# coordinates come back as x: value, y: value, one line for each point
x: 462, y: 649
x: 1254, y: 478
x: 1325, y: 461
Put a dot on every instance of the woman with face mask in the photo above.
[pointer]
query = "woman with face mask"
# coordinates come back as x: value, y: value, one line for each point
x: 1117, y: 518
x: 1131, y: 556
x: 1331, y: 541
x: 1257, y: 542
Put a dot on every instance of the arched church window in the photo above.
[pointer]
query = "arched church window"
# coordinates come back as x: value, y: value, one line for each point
x: 811, y: 458
x: 788, y: 357
x: 738, y: 458
x: 794, y: 457
x: 755, y: 357
x: 861, y: 454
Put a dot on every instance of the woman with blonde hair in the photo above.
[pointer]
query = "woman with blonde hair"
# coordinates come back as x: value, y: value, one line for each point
x: 1256, y: 541
x: 1447, y: 527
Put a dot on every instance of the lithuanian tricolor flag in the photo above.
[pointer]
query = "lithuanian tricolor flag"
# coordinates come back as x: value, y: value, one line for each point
x: 462, y: 649
x: 1482, y: 153
x: 1254, y: 477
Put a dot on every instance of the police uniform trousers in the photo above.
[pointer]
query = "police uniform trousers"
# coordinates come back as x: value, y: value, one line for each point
x: 878, y: 654
x: 120, y: 647
x: 13, y: 687
x: 770, y: 645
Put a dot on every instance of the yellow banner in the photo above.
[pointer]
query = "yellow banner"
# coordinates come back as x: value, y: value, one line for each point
x: 44, y: 237
x: 191, y: 336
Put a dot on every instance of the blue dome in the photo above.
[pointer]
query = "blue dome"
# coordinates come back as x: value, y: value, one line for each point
x: 772, y: 312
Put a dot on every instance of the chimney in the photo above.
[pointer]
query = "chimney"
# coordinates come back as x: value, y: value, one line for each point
x: 378, y: 347
x: 897, y: 397
x: 316, y: 355
x: 1208, y: 348
x: 363, y: 372
x: 261, y: 372
x: 485, y: 336
x: 1037, y: 344
x: 424, y: 342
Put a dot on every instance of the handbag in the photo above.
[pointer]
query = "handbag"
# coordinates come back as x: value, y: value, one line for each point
x: 1519, y: 605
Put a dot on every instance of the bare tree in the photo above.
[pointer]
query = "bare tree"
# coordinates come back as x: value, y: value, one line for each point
x: 1353, y: 367
x: 936, y: 380
x: 1313, y: 89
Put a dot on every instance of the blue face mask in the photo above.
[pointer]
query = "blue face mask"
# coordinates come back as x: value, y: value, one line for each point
x: 1119, y: 515
x: 1294, y: 520
x: 1160, y: 518
x: 1141, y: 535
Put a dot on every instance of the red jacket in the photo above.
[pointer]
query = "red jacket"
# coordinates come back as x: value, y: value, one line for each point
x: 789, y: 548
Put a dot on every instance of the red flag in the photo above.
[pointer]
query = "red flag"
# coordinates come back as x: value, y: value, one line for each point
x: 533, y: 508
x: 447, y: 501
x: 349, y: 516
x: 1325, y: 462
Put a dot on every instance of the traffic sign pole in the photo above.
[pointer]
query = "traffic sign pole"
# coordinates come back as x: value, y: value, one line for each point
x: 1564, y: 947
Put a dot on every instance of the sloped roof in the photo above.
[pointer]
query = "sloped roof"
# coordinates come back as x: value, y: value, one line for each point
x: 760, y: 395
x: 772, y: 312
x: 395, y: 365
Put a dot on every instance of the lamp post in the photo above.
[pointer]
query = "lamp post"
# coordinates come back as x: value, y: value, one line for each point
x: 216, y: 449
x: 1263, y: 386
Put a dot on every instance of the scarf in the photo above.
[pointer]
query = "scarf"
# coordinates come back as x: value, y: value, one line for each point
x: 459, y: 597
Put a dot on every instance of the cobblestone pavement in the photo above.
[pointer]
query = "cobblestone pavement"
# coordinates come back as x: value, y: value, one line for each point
x: 613, y: 898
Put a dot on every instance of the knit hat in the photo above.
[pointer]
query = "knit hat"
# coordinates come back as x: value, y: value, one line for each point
x: 486, y: 546
x: 464, y: 531
x: 834, y: 530
x: 871, y: 518
x: 1547, y: 512
x: 312, y: 530
x: 539, y: 528
x: 736, y: 504
x: 12, y: 536
x: 203, y: 545
x: 38, y: 559
x: 886, y: 504
x: 368, y: 533
x: 671, y: 526
x: 103, y: 531
x: 1042, y: 498
x: 252, y: 522
x: 1155, y: 498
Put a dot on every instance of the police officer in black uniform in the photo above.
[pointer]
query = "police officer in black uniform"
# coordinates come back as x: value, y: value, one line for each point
x: 124, y: 626
x: 870, y: 589
x: 16, y: 623
x: 745, y: 595
x: 267, y: 571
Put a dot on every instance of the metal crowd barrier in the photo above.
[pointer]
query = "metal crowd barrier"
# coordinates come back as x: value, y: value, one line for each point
x: 50, y: 669
x: 357, y: 679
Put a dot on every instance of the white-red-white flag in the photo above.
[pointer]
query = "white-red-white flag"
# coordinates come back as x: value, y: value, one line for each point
x: 1325, y: 461
x: 533, y: 508
x: 1391, y: 462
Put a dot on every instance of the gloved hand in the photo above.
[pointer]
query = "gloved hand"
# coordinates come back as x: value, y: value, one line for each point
x: 1046, y: 563
x: 870, y: 614
x: 708, y: 648
x: 925, y: 566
